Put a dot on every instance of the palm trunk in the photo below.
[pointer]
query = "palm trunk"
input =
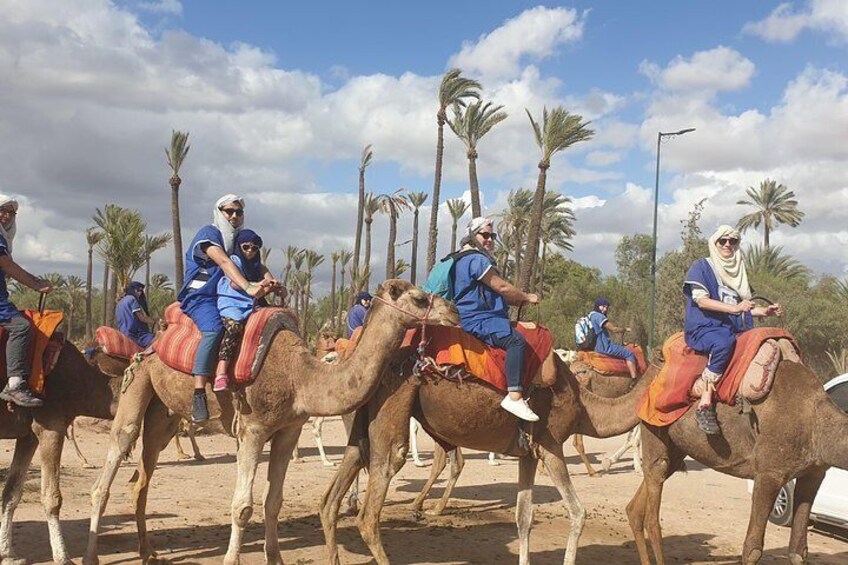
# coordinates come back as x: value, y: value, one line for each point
x: 540, y: 280
x: 453, y: 237
x: 765, y: 236
x: 474, y: 185
x: 333, y: 298
x: 105, y: 317
x: 147, y: 274
x: 178, y: 235
x: 413, y: 266
x: 360, y: 212
x: 71, y: 319
x: 390, y: 252
x: 306, y: 294
x: 89, y: 274
x: 437, y: 186
x: 111, y: 299
x: 367, y: 263
x: 287, y: 284
x: 517, y: 266
x: 532, y: 249
x: 341, y: 302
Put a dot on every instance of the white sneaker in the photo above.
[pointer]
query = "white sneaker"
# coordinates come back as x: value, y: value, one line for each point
x: 519, y: 408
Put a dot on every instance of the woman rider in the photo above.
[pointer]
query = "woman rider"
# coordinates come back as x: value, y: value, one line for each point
x: 718, y: 307
x: 207, y: 260
x: 603, y: 343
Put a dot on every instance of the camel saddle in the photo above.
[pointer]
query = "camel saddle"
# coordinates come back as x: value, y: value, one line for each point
x: 178, y: 345
x: 115, y: 344
x: 453, y: 353
x: 44, y: 347
x: 607, y: 365
x: 749, y: 375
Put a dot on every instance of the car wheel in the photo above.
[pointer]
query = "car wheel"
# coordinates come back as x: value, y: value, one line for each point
x: 781, y: 512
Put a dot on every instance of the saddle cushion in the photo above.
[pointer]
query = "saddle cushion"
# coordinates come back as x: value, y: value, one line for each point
x: 116, y: 344
x: 44, y: 347
x: 178, y: 344
x: 606, y: 365
x: 749, y: 374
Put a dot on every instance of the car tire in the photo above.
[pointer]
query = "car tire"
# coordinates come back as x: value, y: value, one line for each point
x: 781, y: 511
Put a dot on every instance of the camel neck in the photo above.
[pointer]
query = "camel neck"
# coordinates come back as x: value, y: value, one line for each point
x: 830, y: 431
x: 607, y: 417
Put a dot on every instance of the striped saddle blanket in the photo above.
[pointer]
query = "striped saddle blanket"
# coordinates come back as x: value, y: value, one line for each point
x: 177, y: 346
x: 606, y: 365
x: 115, y: 344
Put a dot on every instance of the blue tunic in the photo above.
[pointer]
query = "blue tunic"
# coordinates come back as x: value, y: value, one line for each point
x: 199, y: 295
x: 482, y: 311
x: 234, y: 303
x: 355, y: 318
x: 7, y: 309
x: 129, y: 324
x: 603, y: 343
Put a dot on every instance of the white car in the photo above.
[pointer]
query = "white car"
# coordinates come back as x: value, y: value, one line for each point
x: 831, y: 503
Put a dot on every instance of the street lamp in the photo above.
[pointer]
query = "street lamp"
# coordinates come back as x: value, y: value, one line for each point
x: 653, y: 305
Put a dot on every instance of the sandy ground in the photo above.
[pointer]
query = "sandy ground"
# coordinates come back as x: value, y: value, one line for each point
x: 704, y: 515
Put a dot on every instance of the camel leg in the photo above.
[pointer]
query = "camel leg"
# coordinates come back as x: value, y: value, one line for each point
x: 73, y: 437
x: 554, y: 462
x: 125, y: 430
x: 524, y: 506
x: 181, y: 454
x: 806, y: 488
x: 413, y: 443
x: 439, y: 461
x: 12, y: 491
x: 251, y: 442
x: 457, y: 461
x: 282, y: 444
x: 635, y: 439
x: 581, y: 451
x: 195, y: 449
x: 317, y: 425
x: 51, y: 438
x: 331, y: 501
x: 629, y: 443
x: 493, y: 459
x: 762, y: 501
x: 158, y: 430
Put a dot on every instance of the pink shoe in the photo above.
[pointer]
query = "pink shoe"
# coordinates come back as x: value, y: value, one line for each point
x: 222, y: 382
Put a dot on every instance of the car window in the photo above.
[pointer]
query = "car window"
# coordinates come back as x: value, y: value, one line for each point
x: 839, y: 394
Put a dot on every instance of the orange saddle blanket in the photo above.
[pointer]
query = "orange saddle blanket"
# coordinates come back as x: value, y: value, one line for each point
x: 178, y: 345
x: 44, y: 347
x: 668, y: 398
x: 116, y: 344
x: 606, y: 365
x: 451, y: 347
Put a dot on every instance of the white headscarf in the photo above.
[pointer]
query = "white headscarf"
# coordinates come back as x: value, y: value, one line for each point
x: 9, y: 232
x: 219, y: 220
x: 731, y: 271
x: 471, y: 231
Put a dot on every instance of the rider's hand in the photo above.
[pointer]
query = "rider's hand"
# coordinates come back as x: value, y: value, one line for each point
x: 256, y: 290
x: 775, y: 310
x: 532, y: 298
x: 43, y: 286
x: 744, y: 306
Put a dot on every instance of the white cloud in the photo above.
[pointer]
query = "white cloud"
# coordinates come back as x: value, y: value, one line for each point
x: 172, y: 7
x: 785, y: 23
x: 602, y: 158
x: 717, y: 69
x: 533, y: 34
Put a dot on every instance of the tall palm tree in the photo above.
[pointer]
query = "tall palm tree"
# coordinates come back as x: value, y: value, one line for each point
x: 106, y: 317
x: 559, y: 130
x: 334, y: 261
x: 454, y: 89
x: 392, y: 205
x: 513, y: 226
x: 297, y: 281
x: 557, y: 230
x: 313, y: 259
x: 364, y: 161
x: 761, y: 260
x: 160, y: 294
x: 92, y: 238
x: 470, y: 126
x: 152, y: 244
x: 774, y: 204
x: 291, y: 253
x: 176, y: 154
x: 457, y: 208
x: 344, y: 258
x: 416, y: 200
x: 122, y: 247
x: 401, y: 266
x: 72, y: 287
x: 372, y: 205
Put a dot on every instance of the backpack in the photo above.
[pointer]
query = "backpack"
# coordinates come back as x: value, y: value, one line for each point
x: 584, y: 334
x: 440, y: 281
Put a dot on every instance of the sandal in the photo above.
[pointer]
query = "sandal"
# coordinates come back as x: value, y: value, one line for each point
x: 707, y: 421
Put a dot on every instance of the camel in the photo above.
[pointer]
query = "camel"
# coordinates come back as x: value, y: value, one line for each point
x: 74, y: 388
x: 794, y: 432
x: 292, y: 386
x: 468, y: 414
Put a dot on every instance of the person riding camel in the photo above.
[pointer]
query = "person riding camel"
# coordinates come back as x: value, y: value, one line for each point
x: 482, y: 298
x: 207, y: 259
x: 133, y: 316
x: 16, y: 325
x: 356, y: 316
x: 718, y: 308
x: 603, y: 343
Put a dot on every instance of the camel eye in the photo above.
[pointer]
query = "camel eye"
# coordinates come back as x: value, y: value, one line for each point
x: 421, y: 301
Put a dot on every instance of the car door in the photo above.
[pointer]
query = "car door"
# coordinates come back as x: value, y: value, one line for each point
x: 832, y: 498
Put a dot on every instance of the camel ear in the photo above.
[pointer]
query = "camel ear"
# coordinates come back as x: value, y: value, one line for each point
x: 394, y: 288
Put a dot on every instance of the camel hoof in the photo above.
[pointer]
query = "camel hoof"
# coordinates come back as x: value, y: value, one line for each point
x: 796, y: 559
x: 328, y: 463
x: 183, y: 457
x: 12, y: 561
x: 494, y: 463
x: 419, y: 463
x: 199, y: 457
x: 754, y: 557
x: 417, y: 514
x: 435, y: 512
x: 154, y: 559
x: 606, y: 464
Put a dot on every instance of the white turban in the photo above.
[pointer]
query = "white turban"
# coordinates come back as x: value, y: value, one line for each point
x: 8, y: 232
x: 731, y: 271
x: 219, y: 220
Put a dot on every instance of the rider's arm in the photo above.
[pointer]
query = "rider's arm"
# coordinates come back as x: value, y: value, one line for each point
x: 220, y: 257
x: 714, y: 305
x: 139, y: 314
x: 513, y: 295
x: 22, y: 275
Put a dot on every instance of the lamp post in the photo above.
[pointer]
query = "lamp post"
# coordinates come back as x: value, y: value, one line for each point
x: 653, y: 304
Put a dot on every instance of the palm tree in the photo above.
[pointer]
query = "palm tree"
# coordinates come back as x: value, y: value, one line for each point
x: 457, y: 208
x: 559, y: 130
x: 297, y: 280
x: 92, y: 238
x: 557, y: 230
x: 334, y: 260
x: 470, y: 127
x: 344, y: 258
x: 313, y: 259
x: 761, y: 260
x: 105, y: 319
x: 291, y: 253
x: 160, y: 294
x: 152, y: 244
x: 775, y: 204
x: 372, y: 205
x: 454, y: 89
x: 401, y: 266
x: 176, y: 154
x: 364, y: 161
x: 392, y: 205
x: 122, y: 247
x: 72, y: 288
x: 416, y: 200
x: 514, y: 222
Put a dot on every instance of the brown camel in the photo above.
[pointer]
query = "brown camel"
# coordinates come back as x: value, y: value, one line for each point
x: 74, y: 388
x: 292, y: 386
x: 468, y: 414
x: 794, y: 432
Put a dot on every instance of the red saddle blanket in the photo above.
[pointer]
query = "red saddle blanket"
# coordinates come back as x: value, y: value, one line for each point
x: 606, y: 365
x: 668, y: 397
x: 116, y: 344
x: 44, y: 346
x: 451, y: 347
x: 177, y: 346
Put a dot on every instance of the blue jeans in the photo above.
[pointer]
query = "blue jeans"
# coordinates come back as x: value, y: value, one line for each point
x: 207, y: 353
x: 515, y: 345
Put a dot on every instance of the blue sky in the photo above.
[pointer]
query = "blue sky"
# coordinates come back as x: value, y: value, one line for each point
x: 281, y: 97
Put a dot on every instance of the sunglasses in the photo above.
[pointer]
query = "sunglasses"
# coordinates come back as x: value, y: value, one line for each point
x: 247, y: 247
x: 232, y: 211
x: 725, y: 240
x: 487, y: 235
x: 8, y: 211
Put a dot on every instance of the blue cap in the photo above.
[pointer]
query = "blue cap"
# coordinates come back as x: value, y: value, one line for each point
x: 601, y: 302
x: 363, y: 296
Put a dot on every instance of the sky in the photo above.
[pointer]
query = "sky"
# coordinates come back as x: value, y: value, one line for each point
x: 280, y: 98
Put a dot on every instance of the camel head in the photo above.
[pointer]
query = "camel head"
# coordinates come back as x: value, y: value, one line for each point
x: 412, y: 304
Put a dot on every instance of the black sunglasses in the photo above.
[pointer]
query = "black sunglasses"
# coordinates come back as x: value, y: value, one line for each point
x: 726, y: 240
x: 488, y: 235
x: 249, y: 247
x: 232, y: 211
